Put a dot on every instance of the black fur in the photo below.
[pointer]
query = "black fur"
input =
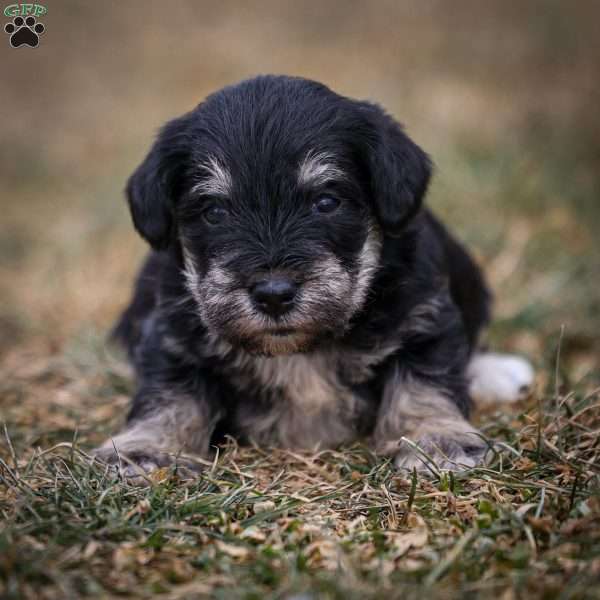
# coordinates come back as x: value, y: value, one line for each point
x: 261, y: 130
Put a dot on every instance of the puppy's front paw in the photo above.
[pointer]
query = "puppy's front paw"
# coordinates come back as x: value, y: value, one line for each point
x: 135, y: 461
x: 500, y: 378
x: 441, y: 448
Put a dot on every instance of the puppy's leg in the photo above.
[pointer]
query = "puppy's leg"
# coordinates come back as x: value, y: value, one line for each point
x: 499, y: 378
x: 165, y: 426
x: 425, y: 400
x: 419, y: 420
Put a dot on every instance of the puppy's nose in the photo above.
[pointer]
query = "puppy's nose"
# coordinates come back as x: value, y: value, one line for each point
x: 274, y: 296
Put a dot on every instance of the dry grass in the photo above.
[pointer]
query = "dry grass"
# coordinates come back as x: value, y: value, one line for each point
x: 504, y: 96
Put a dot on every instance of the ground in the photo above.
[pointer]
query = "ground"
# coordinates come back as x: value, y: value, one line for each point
x: 504, y: 97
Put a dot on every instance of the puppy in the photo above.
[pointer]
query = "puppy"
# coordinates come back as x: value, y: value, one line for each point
x: 298, y: 294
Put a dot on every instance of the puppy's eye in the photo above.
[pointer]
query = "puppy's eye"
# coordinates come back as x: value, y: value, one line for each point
x: 215, y: 215
x: 326, y: 205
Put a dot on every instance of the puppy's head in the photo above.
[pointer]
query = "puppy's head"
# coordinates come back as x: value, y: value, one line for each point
x: 279, y: 194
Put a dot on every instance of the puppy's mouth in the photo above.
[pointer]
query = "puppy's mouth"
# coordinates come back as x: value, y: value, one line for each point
x: 276, y: 341
x: 281, y: 332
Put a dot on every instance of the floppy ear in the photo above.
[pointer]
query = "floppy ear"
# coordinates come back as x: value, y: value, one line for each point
x: 153, y: 187
x: 399, y: 171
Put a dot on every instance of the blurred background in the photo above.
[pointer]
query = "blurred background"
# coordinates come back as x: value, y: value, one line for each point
x: 504, y: 95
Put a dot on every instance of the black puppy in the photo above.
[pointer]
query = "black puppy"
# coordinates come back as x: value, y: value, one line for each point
x: 298, y: 294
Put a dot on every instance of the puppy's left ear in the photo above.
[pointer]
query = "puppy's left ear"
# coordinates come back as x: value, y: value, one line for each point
x: 153, y: 188
x: 399, y: 171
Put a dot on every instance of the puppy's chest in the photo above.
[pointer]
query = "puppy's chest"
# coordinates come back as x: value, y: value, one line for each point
x: 312, y: 400
x: 312, y: 382
x: 299, y: 401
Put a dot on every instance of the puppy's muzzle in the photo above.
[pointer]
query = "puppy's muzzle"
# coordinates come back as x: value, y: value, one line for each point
x: 274, y: 296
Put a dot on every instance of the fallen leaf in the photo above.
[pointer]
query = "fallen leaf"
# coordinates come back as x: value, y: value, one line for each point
x: 232, y: 550
x: 254, y: 534
x: 263, y: 506
x: 401, y: 543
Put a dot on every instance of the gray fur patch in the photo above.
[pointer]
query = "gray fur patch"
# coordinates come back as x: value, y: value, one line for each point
x: 318, y: 168
x: 368, y: 263
x: 216, y: 179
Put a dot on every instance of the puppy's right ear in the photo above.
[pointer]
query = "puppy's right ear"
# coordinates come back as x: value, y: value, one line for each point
x: 399, y: 171
x: 153, y: 187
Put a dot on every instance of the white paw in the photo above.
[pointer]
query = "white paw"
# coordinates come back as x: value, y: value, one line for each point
x: 499, y: 378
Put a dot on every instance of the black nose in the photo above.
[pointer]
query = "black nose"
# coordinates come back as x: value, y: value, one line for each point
x: 274, y: 296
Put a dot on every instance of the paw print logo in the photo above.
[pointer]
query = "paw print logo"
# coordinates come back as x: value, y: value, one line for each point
x: 24, y: 32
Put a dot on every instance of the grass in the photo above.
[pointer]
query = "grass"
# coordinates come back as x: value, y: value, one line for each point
x: 262, y: 523
x: 504, y: 96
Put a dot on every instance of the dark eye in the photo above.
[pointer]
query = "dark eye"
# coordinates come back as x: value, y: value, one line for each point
x: 326, y: 204
x: 215, y: 215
